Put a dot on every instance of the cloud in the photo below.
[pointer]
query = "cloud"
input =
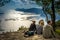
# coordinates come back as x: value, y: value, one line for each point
x: 19, y: 4
x: 12, y: 14
x: 19, y: 15
x: 16, y: 19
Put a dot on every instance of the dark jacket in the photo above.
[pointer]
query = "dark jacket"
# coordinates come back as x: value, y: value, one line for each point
x: 32, y: 27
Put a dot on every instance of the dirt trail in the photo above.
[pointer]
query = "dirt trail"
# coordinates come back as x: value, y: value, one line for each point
x: 40, y: 37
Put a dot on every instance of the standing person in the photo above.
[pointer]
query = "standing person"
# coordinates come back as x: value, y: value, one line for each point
x: 48, y: 30
x: 39, y: 27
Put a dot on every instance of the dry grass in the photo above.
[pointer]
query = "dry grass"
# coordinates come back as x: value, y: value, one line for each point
x: 19, y: 35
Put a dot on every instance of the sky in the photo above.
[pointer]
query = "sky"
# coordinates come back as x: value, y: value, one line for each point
x: 26, y: 4
x: 19, y: 4
x: 12, y: 19
x: 22, y: 4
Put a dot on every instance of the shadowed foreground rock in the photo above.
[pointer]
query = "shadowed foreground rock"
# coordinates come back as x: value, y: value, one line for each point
x: 12, y: 36
x: 19, y: 36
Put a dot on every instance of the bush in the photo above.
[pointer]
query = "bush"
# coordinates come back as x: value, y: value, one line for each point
x: 58, y: 31
x: 22, y: 28
x: 58, y: 23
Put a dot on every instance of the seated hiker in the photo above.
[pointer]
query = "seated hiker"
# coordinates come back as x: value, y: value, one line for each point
x: 48, y: 30
x: 32, y: 29
x: 39, y: 27
x: 32, y: 26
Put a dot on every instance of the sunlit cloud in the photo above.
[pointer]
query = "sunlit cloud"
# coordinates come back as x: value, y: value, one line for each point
x: 13, y: 19
x: 18, y: 15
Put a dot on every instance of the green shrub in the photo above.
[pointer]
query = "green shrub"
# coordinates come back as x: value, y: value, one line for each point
x: 58, y: 31
x: 58, y: 23
x: 22, y: 28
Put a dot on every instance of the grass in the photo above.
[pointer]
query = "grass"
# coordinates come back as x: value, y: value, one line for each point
x: 58, y: 31
x: 25, y: 29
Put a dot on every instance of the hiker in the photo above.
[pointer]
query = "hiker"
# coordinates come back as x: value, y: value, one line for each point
x: 39, y: 27
x: 48, y: 30
x: 32, y: 26
x: 32, y: 29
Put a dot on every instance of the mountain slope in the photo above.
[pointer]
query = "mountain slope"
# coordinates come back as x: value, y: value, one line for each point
x: 32, y: 10
x: 36, y: 11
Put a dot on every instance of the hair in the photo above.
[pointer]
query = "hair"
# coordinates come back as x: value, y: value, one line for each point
x: 41, y: 22
x: 33, y: 21
x: 48, y: 21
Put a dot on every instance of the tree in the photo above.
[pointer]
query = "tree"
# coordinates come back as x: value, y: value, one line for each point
x: 53, y: 15
x: 57, y: 6
x: 40, y: 3
x: 45, y: 14
x: 49, y: 7
x: 4, y: 2
x: 58, y: 23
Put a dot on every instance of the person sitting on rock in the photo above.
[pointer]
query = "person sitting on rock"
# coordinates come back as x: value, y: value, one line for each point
x: 48, y: 30
x: 39, y: 27
x: 31, y: 30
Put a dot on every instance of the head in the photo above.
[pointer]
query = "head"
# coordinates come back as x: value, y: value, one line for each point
x: 49, y: 22
x: 41, y: 22
x: 33, y: 22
